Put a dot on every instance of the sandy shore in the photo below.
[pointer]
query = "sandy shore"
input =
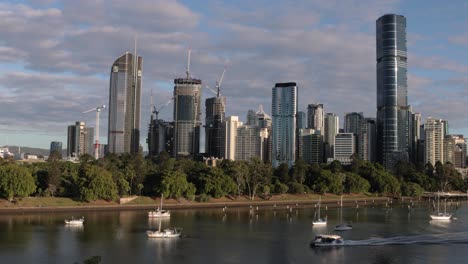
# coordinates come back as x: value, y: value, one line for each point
x: 174, y: 205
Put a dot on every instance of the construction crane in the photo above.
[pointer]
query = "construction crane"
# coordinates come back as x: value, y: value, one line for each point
x: 218, y: 85
x: 158, y: 109
x: 98, y: 111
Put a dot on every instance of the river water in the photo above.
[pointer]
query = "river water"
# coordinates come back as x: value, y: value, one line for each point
x: 379, y: 235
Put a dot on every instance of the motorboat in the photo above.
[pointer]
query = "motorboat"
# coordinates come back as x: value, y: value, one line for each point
x: 343, y: 227
x: 319, y: 221
x: 73, y: 221
x: 159, y: 213
x: 327, y: 241
x: 166, y: 233
x: 439, y: 215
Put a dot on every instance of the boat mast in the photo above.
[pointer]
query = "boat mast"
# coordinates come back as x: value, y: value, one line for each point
x: 162, y: 195
x: 320, y: 201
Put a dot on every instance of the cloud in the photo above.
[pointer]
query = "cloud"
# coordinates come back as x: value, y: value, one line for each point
x: 327, y: 47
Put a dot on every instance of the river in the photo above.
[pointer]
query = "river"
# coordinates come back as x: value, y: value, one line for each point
x: 380, y: 235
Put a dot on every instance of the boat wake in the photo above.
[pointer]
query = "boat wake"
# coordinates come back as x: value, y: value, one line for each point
x: 441, y: 239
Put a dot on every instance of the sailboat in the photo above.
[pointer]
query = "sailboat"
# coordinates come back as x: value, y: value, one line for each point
x: 166, y: 233
x: 319, y: 221
x: 439, y: 215
x: 342, y: 226
x: 159, y: 213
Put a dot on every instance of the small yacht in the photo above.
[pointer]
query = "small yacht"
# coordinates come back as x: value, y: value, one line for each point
x: 439, y: 215
x: 319, y: 221
x: 73, y: 221
x: 159, y: 213
x: 166, y: 233
x: 327, y: 241
x: 343, y: 227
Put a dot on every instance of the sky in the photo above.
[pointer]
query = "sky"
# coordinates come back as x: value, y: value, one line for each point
x: 55, y: 57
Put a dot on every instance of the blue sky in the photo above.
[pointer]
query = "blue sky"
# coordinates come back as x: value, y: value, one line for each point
x: 55, y: 57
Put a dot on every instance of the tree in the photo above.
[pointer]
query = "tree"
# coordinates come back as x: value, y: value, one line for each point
x: 174, y: 184
x: 217, y: 184
x: 16, y: 181
x: 299, y: 171
x: 282, y: 173
x: 238, y: 171
x: 329, y: 182
x: 259, y: 174
x: 355, y: 183
x: 96, y: 183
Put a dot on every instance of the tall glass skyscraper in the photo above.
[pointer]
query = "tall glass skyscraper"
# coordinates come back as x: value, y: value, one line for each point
x: 187, y: 112
x: 125, y: 104
x: 215, y: 113
x: 392, y: 90
x: 284, y: 112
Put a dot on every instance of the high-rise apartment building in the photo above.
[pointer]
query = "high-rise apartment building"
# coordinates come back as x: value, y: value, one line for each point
x: 345, y: 147
x: 284, y: 110
x: 316, y: 117
x: 250, y: 142
x: 434, y: 140
x: 187, y: 112
x: 55, y: 146
x: 366, y: 142
x: 414, y: 136
x: 215, y: 112
x: 230, y: 125
x: 80, y: 140
x: 125, y: 104
x: 332, y: 126
x: 392, y: 90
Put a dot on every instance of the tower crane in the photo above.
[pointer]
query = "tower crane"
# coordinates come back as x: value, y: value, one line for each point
x: 158, y: 109
x: 98, y: 111
x: 218, y: 84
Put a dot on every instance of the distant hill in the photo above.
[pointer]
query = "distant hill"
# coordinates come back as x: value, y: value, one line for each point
x: 29, y: 150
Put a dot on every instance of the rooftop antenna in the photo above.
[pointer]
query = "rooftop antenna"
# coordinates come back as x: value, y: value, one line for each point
x: 188, y: 63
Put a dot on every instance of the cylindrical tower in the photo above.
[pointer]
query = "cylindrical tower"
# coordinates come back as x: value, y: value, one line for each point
x: 392, y: 89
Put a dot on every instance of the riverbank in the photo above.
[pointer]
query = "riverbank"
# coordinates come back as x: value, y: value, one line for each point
x: 283, y: 201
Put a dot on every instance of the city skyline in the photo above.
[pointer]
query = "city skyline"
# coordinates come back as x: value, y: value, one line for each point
x: 74, y: 77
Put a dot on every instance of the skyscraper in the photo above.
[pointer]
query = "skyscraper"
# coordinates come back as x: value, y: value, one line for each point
x: 80, y: 140
x: 352, y: 122
x: 434, y: 140
x: 187, y: 112
x: 366, y: 145
x: 332, y: 127
x: 344, y: 147
x: 284, y: 110
x: 392, y: 105
x: 125, y: 104
x: 229, y: 131
x: 301, y: 120
x: 316, y: 117
x: 55, y: 146
x: 215, y: 113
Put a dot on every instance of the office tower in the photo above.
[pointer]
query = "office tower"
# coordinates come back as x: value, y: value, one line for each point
x: 187, y: 113
x: 434, y: 140
x: 80, y: 140
x: 301, y: 120
x: 55, y: 146
x: 230, y: 125
x: 311, y: 145
x: 366, y: 141
x: 344, y: 148
x: 392, y: 86
x: 284, y: 111
x: 125, y: 104
x: 352, y: 122
x: 316, y: 117
x: 160, y: 137
x: 332, y: 125
x: 414, y: 136
x: 215, y: 113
